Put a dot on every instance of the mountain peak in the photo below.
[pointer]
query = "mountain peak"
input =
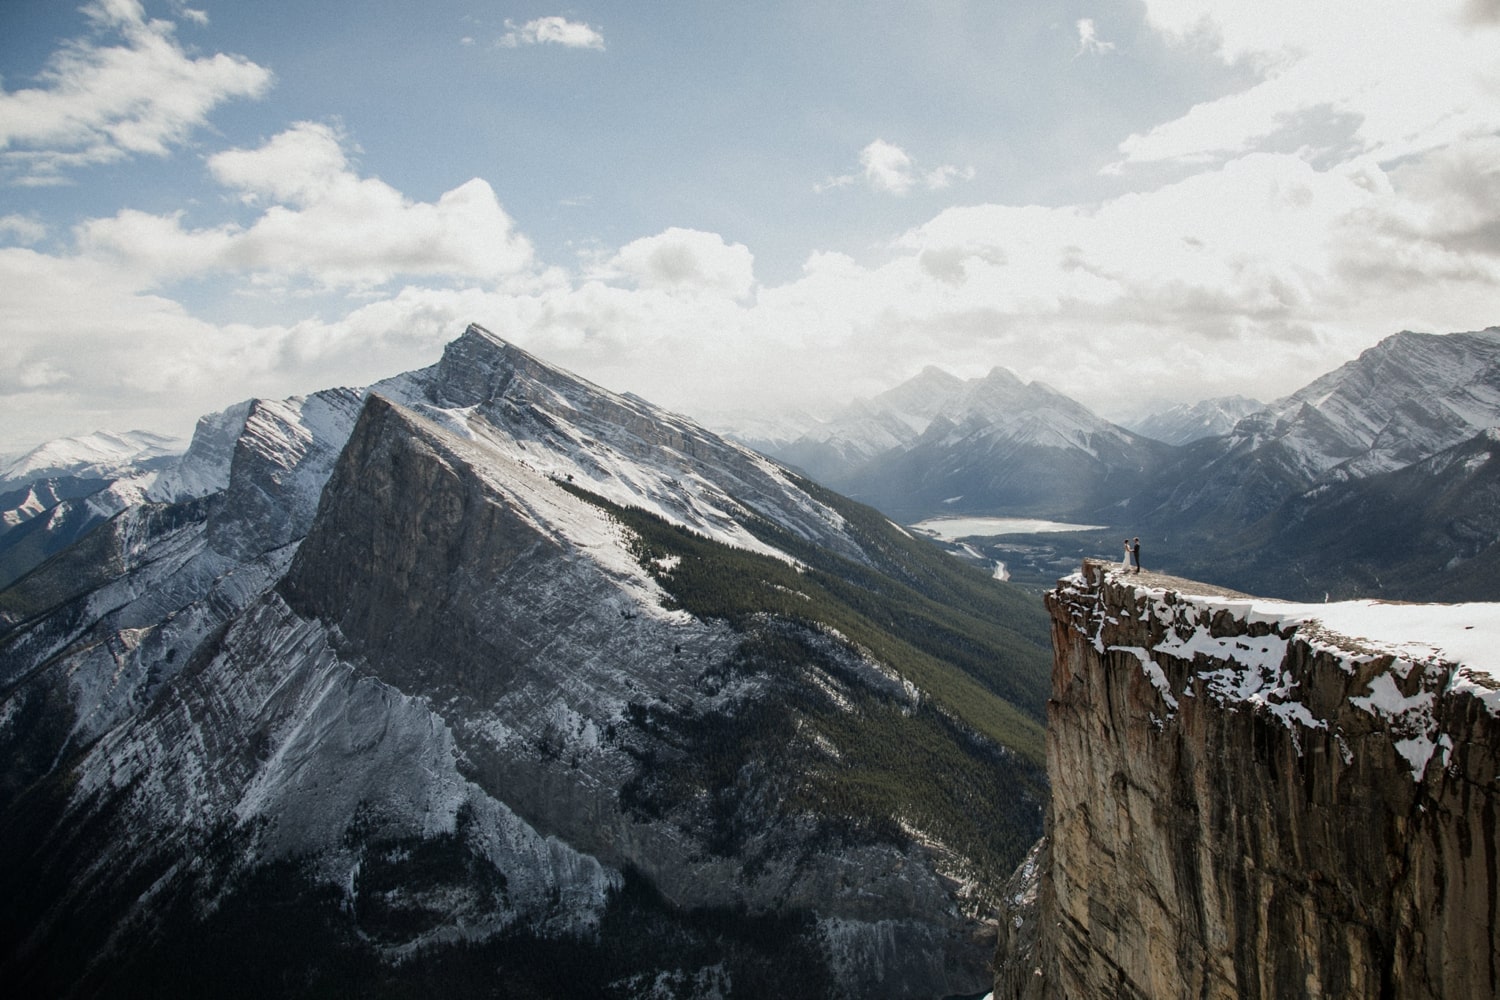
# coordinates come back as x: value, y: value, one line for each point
x: 476, y: 367
x: 1003, y: 376
x: 101, y: 454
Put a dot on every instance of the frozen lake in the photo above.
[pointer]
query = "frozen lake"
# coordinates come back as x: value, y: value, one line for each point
x: 952, y: 528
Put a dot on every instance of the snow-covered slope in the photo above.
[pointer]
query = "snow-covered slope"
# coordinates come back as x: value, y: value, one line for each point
x: 1187, y: 422
x: 991, y: 445
x: 1002, y: 408
x: 60, y: 490
x: 376, y: 672
x: 1409, y: 396
x: 1342, y: 487
x: 100, y: 455
x: 868, y: 428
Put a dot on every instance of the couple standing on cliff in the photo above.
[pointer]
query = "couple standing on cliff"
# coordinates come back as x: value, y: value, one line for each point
x: 1132, y: 556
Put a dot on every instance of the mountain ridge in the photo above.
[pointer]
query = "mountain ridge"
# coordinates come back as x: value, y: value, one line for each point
x: 521, y: 668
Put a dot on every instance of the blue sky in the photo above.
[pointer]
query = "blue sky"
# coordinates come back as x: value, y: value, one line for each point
x: 732, y: 207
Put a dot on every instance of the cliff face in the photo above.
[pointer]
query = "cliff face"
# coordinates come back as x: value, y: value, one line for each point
x: 1248, y: 800
x: 494, y: 679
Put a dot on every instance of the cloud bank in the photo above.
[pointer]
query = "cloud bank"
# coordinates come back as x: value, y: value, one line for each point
x: 1230, y: 260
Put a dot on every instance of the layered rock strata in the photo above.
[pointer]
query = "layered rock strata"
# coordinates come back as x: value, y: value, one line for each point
x: 1255, y: 799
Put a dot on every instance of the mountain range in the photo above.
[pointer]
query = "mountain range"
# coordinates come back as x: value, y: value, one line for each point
x: 1371, y: 480
x: 487, y: 679
x: 940, y: 445
x: 60, y: 490
x: 1187, y: 422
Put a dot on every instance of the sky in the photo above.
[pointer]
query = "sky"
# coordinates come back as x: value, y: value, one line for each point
x: 732, y: 209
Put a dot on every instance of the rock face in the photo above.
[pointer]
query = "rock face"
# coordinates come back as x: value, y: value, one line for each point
x: 1248, y: 800
x: 486, y: 678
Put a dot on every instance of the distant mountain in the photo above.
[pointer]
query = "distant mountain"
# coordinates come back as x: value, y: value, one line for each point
x: 101, y: 455
x: 1400, y: 405
x: 1428, y: 529
x: 1408, y: 397
x: 766, y: 433
x: 993, y: 445
x: 869, y: 428
x: 1233, y: 507
x: 1187, y: 422
x: 60, y: 490
x: 487, y: 679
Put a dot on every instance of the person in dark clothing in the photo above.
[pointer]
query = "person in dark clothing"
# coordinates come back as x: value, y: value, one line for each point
x: 1135, y: 554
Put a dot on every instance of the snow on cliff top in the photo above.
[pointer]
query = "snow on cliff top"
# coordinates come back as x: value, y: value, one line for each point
x: 1467, y: 634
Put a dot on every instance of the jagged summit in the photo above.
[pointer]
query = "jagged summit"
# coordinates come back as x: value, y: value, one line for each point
x: 995, y: 444
x: 1188, y: 422
x: 1409, y: 396
x: 489, y: 674
x: 1331, y: 490
x: 478, y: 366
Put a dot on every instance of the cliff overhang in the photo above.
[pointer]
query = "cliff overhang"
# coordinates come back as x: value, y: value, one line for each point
x: 1255, y: 799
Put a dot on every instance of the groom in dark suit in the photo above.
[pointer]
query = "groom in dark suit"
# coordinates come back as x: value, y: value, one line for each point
x: 1135, y: 554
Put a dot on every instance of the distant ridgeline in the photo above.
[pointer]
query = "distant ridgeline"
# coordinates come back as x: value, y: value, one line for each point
x: 1380, y: 478
x: 1253, y: 799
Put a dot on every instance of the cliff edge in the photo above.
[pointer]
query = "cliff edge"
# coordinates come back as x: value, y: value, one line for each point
x: 1259, y: 799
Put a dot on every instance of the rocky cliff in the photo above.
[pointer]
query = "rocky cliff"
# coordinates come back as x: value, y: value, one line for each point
x: 1257, y: 799
x: 487, y: 678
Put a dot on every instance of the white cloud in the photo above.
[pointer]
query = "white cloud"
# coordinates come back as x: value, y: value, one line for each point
x: 24, y: 229
x: 100, y: 103
x: 687, y: 260
x: 1089, y: 40
x: 297, y: 166
x: 322, y: 226
x: 1258, y: 268
x: 888, y: 168
x: 1390, y: 77
x: 1281, y: 268
x: 941, y: 177
x: 553, y: 31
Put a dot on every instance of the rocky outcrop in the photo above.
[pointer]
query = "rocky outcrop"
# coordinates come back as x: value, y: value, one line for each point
x: 1254, y: 799
x: 489, y: 677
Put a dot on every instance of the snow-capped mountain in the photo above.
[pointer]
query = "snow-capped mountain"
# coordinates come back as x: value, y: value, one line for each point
x: 490, y: 677
x: 1399, y: 406
x: 1428, y: 528
x: 765, y: 432
x: 868, y: 428
x: 938, y: 444
x: 1408, y: 397
x: 101, y: 455
x: 60, y: 490
x: 1215, y: 506
x: 1187, y: 422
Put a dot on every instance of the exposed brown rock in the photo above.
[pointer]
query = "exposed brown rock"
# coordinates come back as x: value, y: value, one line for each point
x: 1245, y: 823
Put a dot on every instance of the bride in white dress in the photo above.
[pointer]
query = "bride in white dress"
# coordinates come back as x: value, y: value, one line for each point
x: 1125, y: 564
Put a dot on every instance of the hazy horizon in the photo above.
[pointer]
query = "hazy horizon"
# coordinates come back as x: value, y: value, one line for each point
x: 720, y: 209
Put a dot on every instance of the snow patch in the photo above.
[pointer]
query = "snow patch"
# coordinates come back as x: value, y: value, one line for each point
x: 1153, y: 672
